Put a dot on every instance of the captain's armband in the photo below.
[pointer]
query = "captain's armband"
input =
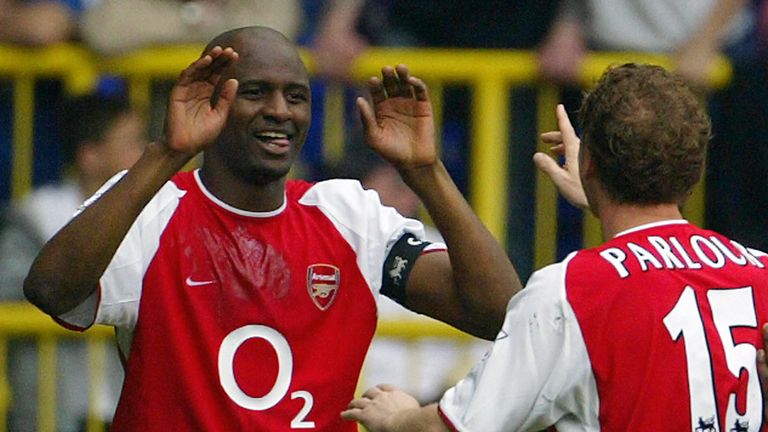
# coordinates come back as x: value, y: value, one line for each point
x: 398, y: 265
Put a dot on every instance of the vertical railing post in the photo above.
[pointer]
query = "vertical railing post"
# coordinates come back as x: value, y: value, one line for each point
x: 489, y: 162
x: 23, y: 133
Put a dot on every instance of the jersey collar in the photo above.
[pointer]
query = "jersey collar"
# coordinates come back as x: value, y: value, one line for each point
x: 236, y: 210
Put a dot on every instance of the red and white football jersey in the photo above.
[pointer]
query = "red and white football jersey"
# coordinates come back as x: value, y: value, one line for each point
x: 656, y: 330
x: 239, y: 321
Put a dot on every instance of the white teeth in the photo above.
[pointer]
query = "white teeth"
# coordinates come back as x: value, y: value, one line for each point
x: 273, y: 135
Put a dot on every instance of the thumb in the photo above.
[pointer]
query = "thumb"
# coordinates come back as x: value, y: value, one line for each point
x: 367, y: 117
x: 226, y: 96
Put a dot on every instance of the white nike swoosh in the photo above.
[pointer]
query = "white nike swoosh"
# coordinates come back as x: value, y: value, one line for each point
x: 193, y: 283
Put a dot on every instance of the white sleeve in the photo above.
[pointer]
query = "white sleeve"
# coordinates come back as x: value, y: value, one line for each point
x: 370, y: 228
x: 116, y: 301
x: 537, y: 373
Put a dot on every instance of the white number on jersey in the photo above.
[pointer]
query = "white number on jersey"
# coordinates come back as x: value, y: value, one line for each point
x: 730, y: 308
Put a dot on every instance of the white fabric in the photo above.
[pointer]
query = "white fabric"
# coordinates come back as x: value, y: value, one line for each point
x: 50, y: 207
x: 538, y: 372
x: 647, y: 25
x: 119, y: 304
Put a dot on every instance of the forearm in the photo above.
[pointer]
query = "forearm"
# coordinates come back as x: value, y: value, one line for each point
x: 483, y: 277
x: 69, y: 266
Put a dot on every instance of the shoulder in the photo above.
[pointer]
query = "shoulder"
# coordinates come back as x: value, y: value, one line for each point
x: 336, y: 191
x: 344, y: 199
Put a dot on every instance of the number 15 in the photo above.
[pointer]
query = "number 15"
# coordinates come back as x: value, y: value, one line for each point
x: 730, y: 308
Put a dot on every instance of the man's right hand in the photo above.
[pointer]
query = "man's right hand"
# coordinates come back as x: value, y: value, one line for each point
x: 196, y: 113
x: 565, y: 143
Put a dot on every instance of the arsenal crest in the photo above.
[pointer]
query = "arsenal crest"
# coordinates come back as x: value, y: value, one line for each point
x: 322, y: 284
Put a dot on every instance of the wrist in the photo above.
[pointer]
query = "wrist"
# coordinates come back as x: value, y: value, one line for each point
x: 163, y: 154
x: 424, y: 176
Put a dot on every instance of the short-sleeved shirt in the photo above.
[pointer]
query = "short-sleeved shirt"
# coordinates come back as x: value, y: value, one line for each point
x: 235, y: 320
x: 654, y: 330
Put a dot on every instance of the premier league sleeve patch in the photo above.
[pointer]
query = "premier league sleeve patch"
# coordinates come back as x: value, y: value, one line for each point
x: 398, y: 266
x: 323, y: 282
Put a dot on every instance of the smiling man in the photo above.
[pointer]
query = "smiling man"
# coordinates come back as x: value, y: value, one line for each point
x: 246, y: 301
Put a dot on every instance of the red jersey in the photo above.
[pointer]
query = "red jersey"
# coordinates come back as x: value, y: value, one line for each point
x: 655, y: 330
x: 233, y: 320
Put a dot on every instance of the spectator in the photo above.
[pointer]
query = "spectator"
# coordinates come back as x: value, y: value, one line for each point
x: 118, y: 26
x: 231, y: 285
x: 99, y: 136
x: 37, y: 23
x: 694, y: 32
x: 671, y: 340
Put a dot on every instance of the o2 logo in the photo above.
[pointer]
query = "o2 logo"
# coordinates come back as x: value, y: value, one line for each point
x: 279, y: 343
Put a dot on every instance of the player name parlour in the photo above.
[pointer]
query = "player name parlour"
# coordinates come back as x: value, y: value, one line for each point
x: 670, y: 253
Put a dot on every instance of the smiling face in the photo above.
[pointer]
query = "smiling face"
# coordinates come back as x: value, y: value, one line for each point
x: 269, y: 119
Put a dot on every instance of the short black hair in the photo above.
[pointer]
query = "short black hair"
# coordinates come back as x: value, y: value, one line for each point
x: 87, y: 118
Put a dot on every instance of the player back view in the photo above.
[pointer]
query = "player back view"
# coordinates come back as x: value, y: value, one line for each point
x: 669, y: 315
x: 657, y: 329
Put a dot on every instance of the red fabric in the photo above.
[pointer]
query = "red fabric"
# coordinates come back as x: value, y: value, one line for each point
x: 245, y: 272
x: 642, y: 373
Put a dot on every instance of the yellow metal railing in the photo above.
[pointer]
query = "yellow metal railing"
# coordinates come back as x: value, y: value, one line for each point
x: 489, y: 73
x: 21, y: 320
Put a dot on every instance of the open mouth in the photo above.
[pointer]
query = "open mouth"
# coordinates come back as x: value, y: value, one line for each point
x: 274, y: 141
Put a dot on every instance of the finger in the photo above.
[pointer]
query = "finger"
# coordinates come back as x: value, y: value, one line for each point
x: 552, y: 137
x: 352, y: 414
x: 765, y: 334
x: 419, y: 89
x: 564, y: 123
x: 547, y: 164
x: 358, y: 403
x: 226, y: 96
x: 390, y: 81
x: 403, y: 81
x: 220, y: 64
x: 190, y: 73
x: 228, y: 54
x: 376, y: 89
x: 371, y: 392
x: 386, y: 387
x: 557, y: 150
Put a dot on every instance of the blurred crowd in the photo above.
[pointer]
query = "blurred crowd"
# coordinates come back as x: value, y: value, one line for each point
x: 97, y: 135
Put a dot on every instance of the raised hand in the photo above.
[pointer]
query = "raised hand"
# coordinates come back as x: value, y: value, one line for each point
x: 194, y: 118
x: 400, y: 125
x: 564, y: 143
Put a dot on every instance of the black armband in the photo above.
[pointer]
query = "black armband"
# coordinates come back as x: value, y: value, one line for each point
x: 398, y: 265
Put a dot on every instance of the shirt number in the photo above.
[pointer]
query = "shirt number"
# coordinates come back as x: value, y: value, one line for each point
x: 279, y: 343
x: 730, y: 308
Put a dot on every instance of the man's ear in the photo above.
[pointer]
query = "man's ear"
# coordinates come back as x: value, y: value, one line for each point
x: 587, y: 167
